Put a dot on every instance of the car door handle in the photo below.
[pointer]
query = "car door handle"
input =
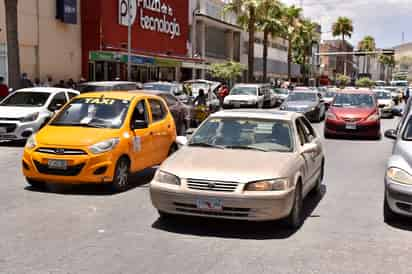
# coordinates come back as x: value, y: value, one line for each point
x: 168, y: 126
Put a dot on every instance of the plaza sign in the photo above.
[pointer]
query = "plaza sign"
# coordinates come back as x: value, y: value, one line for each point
x: 153, y: 15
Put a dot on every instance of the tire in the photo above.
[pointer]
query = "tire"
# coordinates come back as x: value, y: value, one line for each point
x: 36, y: 184
x: 121, y: 175
x: 388, y: 214
x: 317, y: 189
x: 295, y: 218
x: 164, y: 216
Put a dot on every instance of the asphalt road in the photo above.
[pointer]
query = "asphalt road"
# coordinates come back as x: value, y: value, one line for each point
x: 90, y: 230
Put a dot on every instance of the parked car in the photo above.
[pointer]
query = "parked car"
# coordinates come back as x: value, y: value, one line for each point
x: 353, y: 113
x: 25, y: 111
x: 182, y: 113
x: 282, y: 94
x: 108, y: 86
x: 385, y: 103
x: 249, y: 96
x: 101, y: 138
x: 306, y: 102
x: 267, y: 160
x: 174, y: 89
x: 398, y: 178
x: 193, y: 87
x: 328, y: 98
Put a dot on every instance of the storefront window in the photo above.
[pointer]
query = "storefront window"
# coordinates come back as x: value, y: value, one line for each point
x: 3, y: 61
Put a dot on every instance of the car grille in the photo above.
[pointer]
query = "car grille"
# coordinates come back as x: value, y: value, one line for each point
x: 351, y: 120
x: 70, y: 171
x: 212, y: 185
x: 61, y: 151
x: 9, y: 119
x: 9, y: 127
x: 226, y: 211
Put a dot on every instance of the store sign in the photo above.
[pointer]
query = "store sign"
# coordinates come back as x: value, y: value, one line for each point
x: 66, y: 11
x: 138, y: 60
x: 104, y: 56
x: 153, y: 15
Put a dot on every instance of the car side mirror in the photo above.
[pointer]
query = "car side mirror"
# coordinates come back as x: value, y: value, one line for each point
x: 181, y: 140
x: 391, y: 134
x: 139, y: 124
x: 309, y: 148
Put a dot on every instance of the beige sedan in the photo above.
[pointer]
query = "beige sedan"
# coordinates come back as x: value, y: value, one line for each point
x: 253, y: 165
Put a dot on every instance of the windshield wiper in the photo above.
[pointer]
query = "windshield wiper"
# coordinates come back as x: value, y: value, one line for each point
x: 201, y: 144
x: 247, y: 147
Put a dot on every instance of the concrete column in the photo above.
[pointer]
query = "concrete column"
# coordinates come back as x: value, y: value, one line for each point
x: 203, y: 44
x: 230, y: 44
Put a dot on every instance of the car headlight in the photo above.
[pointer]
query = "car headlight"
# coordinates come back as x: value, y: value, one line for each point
x: 31, y: 142
x: 167, y: 178
x: 399, y: 175
x: 30, y: 118
x: 268, y: 185
x: 331, y: 116
x: 373, y: 117
x: 104, y: 146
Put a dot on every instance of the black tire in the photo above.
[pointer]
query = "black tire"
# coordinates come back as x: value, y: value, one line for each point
x: 295, y: 218
x: 327, y: 135
x: 36, y: 184
x: 121, y: 175
x: 388, y: 214
x: 317, y: 189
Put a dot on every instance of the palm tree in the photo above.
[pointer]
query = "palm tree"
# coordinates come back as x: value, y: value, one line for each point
x: 13, y: 54
x: 247, y: 17
x: 343, y: 27
x: 367, y: 44
x: 303, y: 43
x: 389, y: 63
x: 269, y: 21
x: 291, y: 17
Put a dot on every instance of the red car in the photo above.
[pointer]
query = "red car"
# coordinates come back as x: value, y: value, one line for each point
x: 353, y: 113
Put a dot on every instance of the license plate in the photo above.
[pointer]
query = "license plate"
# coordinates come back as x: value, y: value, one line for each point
x: 350, y: 125
x: 209, y: 204
x: 57, y: 164
x: 3, y: 130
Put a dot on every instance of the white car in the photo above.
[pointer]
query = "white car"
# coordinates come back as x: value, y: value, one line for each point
x: 385, y: 102
x: 25, y: 111
x: 249, y: 96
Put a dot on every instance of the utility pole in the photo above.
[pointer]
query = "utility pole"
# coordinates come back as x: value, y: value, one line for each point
x: 129, y: 40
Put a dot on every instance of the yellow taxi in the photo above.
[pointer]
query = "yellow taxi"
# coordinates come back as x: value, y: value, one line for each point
x: 101, y: 138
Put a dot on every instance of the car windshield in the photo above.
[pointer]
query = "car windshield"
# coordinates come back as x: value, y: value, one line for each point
x: 161, y: 87
x: 26, y: 99
x: 244, y: 91
x: 244, y: 133
x: 93, y: 112
x: 302, y: 96
x: 383, y: 95
x: 93, y: 88
x: 353, y: 100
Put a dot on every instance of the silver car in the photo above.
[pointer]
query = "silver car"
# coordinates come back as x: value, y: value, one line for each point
x: 25, y: 111
x: 251, y: 165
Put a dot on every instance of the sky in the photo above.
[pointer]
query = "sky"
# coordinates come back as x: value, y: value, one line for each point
x: 385, y: 20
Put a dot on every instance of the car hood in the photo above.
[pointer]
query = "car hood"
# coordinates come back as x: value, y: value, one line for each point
x: 73, y: 136
x: 352, y: 113
x: 300, y: 104
x: 229, y: 164
x: 17, y: 112
x: 240, y: 97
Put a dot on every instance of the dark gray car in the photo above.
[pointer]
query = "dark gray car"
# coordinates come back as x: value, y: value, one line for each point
x: 309, y: 103
x: 398, y: 178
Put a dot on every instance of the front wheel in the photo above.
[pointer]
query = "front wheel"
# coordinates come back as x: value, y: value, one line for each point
x: 295, y: 218
x: 121, y: 175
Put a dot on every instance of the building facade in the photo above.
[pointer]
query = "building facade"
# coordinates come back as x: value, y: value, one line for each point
x: 333, y: 65
x: 371, y: 67
x: 49, y: 38
x: 403, y: 58
x: 159, y: 40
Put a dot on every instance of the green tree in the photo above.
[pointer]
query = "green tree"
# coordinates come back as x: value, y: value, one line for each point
x: 13, y: 53
x: 227, y: 71
x: 365, y: 82
x: 269, y: 21
x: 343, y: 27
x: 291, y: 21
x: 246, y: 11
x: 367, y: 44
